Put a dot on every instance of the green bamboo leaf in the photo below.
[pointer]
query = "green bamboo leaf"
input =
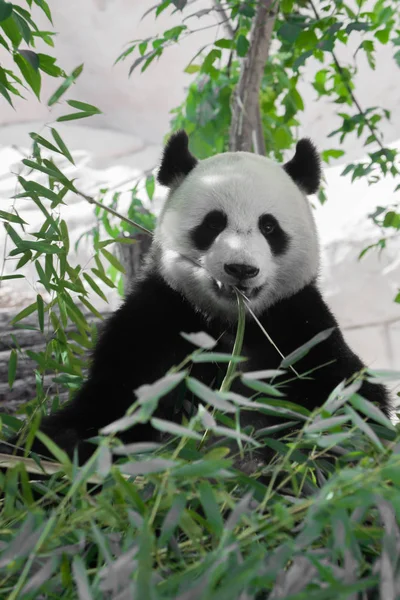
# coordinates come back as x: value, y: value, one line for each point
x: 281, y: 448
x: 27, y: 256
x: 43, y: 142
x: 125, y: 54
x: 265, y: 374
x: 59, y: 141
x: 51, y: 165
x: 372, y: 411
x: 282, y: 403
x: 24, y: 313
x: 50, y: 170
x: 209, y: 396
x: 81, y: 579
x: 171, y: 520
x: 324, y: 424
x: 260, y: 386
x: 101, y: 275
x: 41, y: 247
x: 71, y: 381
x: 236, y: 435
x: 7, y: 277
x: 145, y: 467
x: 74, y: 116
x: 218, y: 357
x: 241, y: 400
x: 361, y: 424
x: 12, y: 367
x: 12, y: 218
x: 203, y: 468
x: 303, y: 350
x: 382, y: 375
x: 65, y: 85
x: 161, y: 387
x: 17, y: 240
x: 73, y: 313
x: 42, y: 575
x: 34, y: 188
x: 211, y: 508
x: 113, y: 260
x: 88, y: 108
x: 121, y: 424
x: 105, y: 243
x: 150, y: 186
x: 136, y: 448
x: 64, y: 235
x: 200, y: 339
x: 95, y: 287
x: 60, y: 455
x: 175, y: 429
x: 334, y: 439
x: 40, y: 310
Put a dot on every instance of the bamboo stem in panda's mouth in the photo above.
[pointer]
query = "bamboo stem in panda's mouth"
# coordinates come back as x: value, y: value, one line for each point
x: 265, y: 332
x: 238, y: 345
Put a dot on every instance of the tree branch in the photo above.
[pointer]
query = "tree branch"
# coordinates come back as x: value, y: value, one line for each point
x: 225, y: 19
x: 348, y: 88
x: 246, y: 126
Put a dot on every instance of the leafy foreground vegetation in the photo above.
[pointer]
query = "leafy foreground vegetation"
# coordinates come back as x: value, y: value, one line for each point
x: 181, y: 521
x: 319, y: 520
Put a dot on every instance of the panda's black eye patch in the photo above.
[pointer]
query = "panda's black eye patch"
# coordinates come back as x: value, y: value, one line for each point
x: 216, y: 220
x: 274, y: 234
x: 211, y: 226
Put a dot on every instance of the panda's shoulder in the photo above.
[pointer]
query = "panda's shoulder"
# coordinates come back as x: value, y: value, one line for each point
x: 301, y: 315
x: 152, y: 306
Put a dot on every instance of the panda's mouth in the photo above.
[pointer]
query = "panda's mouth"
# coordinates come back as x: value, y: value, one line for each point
x: 228, y: 291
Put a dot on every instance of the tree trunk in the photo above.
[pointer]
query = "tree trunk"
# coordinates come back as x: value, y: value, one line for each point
x: 246, y: 128
x: 132, y: 256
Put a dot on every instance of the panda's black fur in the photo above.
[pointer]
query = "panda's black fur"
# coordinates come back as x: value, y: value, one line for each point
x: 142, y: 340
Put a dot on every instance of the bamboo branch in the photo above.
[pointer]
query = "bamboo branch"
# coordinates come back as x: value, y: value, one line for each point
x: 113, y: 212
x: 246, y: 127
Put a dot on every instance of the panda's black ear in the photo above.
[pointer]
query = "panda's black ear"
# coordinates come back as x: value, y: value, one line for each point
x: 177, y: 161
x: 305, y: 167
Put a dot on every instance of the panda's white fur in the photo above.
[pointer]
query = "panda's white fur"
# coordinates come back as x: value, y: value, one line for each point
x: 244, y: 186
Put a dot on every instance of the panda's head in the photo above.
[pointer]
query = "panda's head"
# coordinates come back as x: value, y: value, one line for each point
x: 237, y: 220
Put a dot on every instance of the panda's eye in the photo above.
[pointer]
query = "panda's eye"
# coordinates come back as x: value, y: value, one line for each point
x: 215, y: 220
x: 267, y: 224
x: 277, y: 239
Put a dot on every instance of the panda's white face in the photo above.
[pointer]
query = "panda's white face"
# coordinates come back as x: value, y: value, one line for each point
x: 237, y: 219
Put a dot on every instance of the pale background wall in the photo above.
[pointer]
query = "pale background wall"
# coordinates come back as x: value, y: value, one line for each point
x: 113, y: 149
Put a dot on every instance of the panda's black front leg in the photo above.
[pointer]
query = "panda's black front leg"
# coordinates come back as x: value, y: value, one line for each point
x: 134, y: 349
x: 292, y: 323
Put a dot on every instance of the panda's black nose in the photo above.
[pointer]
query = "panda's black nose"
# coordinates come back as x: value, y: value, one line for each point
x: 240, y: 271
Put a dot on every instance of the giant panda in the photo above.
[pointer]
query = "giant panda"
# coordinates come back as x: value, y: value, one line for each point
x: 235, y: 220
